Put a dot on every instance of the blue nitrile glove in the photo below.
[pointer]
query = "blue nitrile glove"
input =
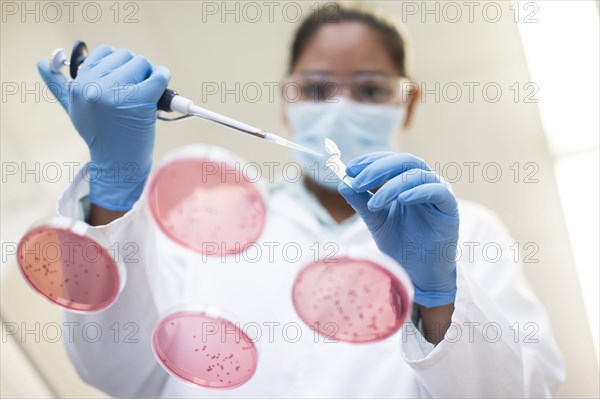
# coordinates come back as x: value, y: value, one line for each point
x: 112, y: 104
x: 413, y: 218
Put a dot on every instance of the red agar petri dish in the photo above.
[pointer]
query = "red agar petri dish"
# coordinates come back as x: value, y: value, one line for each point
x: 204, y: 350
x: 351, y: 300
x: 206, y: 206
x: 68, y: 269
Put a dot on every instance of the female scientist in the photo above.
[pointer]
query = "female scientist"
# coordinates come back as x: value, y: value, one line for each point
x: 489, y: 304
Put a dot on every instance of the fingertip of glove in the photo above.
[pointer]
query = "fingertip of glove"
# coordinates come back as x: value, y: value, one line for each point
x: 105, y: 47
x: 352, y: 170
x: 43, y: 66
x: 343, y: 188
x: 348, y: 192
x: 373, y: 206
x: 162, y: 72
x: 358, y: 184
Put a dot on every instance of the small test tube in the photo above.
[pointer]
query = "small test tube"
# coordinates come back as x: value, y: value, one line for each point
x: 339, y: 168
x: 336, y: 165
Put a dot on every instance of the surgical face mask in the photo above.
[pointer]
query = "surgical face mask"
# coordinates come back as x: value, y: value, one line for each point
x: 357, y: 129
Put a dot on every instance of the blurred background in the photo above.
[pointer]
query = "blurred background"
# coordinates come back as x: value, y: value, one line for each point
x: 509, y: 88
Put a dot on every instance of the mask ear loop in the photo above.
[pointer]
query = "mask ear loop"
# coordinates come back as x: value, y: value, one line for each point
x: 335, y: 164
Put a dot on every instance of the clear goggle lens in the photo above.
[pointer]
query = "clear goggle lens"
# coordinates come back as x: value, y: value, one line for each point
x: 376, y: 89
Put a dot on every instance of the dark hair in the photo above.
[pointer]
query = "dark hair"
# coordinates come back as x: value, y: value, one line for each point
x: 335, y: 13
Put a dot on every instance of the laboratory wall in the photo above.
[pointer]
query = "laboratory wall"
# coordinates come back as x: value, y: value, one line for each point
x: 478, y: 124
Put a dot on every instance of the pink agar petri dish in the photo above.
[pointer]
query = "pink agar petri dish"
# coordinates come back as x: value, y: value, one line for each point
x: 68, y: 269
x: 353, y: 300
x: 206, y: 206
x: 204, y: 350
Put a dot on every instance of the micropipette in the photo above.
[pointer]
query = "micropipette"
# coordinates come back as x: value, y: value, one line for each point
x: 172, y: 101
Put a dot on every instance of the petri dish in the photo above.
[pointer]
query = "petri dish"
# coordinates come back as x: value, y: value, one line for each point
x: 204, y: 349
x: 352, y: 300
x: 68, y: 267
x: 207, y: 206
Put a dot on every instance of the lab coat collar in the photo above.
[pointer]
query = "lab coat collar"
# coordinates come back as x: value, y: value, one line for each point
x: 310, y: 214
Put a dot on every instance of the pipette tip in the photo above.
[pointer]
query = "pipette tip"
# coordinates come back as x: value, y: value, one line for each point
x: 273, y: 138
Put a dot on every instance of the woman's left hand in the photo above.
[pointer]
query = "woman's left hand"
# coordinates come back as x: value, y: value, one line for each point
x: 413, y: 218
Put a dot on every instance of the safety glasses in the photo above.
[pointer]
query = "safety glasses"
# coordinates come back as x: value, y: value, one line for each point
x: 370, y: 88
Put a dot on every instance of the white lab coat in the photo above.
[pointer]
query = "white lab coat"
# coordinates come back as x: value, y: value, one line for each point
x: 485, y: 355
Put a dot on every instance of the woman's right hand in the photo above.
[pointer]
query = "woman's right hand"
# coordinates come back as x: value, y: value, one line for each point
x: 112, y: 104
